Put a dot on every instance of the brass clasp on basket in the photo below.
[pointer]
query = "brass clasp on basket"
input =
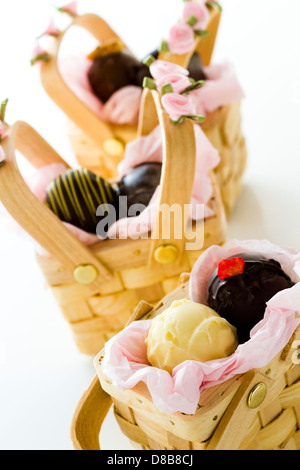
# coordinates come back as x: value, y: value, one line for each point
x: 257, y: 395
x: 85, y: 274
x: 296, y: 354
x: 166, y: 254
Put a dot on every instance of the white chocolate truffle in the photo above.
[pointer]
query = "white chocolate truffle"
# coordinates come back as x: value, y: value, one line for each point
x: 189, y: 331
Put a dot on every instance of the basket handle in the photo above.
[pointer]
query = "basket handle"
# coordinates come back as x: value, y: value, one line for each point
x: 36, y: 150
x: 89, y: 416
x: 204, y: 45
x: 72, y: 106
x: 28, y: 211
x: 62, y: 95
x: 178, y: 173
x: 95, y: 403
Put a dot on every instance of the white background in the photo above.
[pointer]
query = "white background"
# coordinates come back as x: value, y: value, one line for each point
x: 42, y: 376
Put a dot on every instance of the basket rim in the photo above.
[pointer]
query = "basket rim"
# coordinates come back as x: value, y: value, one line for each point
x: 146, y: 311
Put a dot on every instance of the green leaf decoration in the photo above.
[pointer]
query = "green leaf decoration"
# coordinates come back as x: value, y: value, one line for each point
x: 215, y: 5
x: 64, y: 10
x: 167, y: 88
x: 3, y: 107
x: 192, y: 20
x: 40, y: 58
x: 196, y: 118
x: 149, y: 60
x: 202, y: 34
x: 194, y: 86
x: 149, y: 83
x: 193, y: 117
x: 164, y: 47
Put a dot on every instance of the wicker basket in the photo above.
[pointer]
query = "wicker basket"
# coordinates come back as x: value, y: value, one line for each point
x: 97, y: 288
x: 98, y: 145
x: 90, y: 137
x: 224, y: 130
x: 235, y: 415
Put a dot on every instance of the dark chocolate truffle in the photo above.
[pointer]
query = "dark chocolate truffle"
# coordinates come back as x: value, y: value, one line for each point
x: 75, y: 196
x: 241, y: 299
x: 140, y: 184
x: 195, y: 69
x: 110, y: 73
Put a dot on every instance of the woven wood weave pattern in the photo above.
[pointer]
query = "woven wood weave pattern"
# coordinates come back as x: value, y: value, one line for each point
x: 223, y: 420
x: 275, y: 427
x: 91, y: 155
x: 225, y: 134
x: 223, y: 129
x: 95, y: 317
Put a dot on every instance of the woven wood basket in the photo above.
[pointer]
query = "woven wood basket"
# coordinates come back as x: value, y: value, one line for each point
x: 100, y: 146
x: 259, y: 410
x: 98, y: 287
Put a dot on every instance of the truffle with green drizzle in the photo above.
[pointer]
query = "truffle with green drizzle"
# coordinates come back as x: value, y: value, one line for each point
x: 75, y: 195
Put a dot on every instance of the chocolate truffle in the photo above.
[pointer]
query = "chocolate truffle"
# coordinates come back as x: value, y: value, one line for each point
x: 140, y: 184
x: 75, y: 196
x: 188, y: 331
x: 241, y: 296
x: 195, y: 69
x: 109, y: 73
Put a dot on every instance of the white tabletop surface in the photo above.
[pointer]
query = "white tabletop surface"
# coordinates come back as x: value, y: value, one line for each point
x: 42, y: 375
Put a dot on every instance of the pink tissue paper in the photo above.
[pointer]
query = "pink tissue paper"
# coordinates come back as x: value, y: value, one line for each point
x: 221, y: 88
x: 126, y: 364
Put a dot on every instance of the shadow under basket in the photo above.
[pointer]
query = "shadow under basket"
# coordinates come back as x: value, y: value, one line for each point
x: 258, y: 410
x: 100, y: 146
x: 98, y: 287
